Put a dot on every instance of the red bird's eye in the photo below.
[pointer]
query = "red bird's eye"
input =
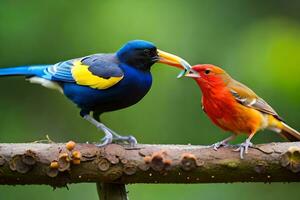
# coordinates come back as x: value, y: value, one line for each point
x: 207, y: 71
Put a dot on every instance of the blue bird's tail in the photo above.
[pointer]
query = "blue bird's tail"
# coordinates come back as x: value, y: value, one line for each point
x: 24, y: 71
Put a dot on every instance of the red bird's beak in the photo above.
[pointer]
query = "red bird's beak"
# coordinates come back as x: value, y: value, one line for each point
x: 192, y: 74
x: 174, y: 60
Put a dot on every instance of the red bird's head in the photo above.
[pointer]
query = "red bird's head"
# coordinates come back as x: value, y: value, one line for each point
x: 207, y: 75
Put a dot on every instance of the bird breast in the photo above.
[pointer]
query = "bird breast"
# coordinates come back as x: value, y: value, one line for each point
x: 229, y: 115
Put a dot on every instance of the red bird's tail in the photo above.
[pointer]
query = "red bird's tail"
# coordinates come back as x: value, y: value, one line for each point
x: 289, y: 133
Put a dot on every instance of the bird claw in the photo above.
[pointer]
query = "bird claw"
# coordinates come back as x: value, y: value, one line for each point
x: 217, y: 145
x: 132, y: 140
x: 110, y: 135
x: 107, y: 139
x: 243, y: 148
x: 126, y: 139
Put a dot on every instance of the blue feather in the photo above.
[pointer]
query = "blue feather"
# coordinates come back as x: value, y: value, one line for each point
x: 61, y: 71
x: 38, y: 70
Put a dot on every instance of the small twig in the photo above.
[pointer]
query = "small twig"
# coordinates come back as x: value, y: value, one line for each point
x: 47, y: 140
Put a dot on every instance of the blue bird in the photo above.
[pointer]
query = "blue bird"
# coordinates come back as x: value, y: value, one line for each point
x: 102, y: 82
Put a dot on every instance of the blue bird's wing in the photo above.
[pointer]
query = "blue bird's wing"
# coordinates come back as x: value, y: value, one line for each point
x: 61, y: 71
x: 94, y: 71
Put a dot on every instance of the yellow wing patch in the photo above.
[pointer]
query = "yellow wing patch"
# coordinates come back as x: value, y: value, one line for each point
x: 83, y: 76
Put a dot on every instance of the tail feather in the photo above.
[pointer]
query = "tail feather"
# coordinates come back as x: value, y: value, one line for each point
x: 289, y: 133
x: 24, y: 71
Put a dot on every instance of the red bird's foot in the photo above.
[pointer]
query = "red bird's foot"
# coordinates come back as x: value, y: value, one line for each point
x: 220, y: 144
x: 223, y: 143
x: 243, y: 148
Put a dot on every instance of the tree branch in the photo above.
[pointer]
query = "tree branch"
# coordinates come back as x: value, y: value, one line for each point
x: 111, y: 191
x: 60, y: 164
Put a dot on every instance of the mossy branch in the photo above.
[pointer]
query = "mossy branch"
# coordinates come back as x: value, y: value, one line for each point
x: 59, y: 164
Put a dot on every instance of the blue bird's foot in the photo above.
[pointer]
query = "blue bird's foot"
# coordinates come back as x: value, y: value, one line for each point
x: 107, y: 139
x: 110, y: 135
x: 127, y: 139
x: 123, y: 139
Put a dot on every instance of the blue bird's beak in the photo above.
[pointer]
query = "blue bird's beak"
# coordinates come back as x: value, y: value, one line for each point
x: 175, y: 61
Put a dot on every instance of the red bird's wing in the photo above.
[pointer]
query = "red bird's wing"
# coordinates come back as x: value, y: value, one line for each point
x: 247, y: 97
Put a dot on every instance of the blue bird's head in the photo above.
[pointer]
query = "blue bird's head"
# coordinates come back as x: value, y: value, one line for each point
x: 143, y: 54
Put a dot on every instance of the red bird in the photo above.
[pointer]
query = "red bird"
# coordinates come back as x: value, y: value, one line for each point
x: 234, y: 107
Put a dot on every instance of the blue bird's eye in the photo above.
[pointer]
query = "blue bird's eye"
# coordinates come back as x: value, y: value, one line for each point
x: 147, y: 52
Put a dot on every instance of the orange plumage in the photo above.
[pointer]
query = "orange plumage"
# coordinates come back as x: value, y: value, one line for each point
x: 234, y: 107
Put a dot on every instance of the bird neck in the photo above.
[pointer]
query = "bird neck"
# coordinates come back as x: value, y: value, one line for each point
x: 212, y: 86
x: 215, y: 97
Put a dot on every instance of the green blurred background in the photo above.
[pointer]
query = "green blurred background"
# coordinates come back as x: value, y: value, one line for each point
x: 257, y: 42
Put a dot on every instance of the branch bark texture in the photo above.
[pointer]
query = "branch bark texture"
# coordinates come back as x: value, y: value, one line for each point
x: 59, y: 164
